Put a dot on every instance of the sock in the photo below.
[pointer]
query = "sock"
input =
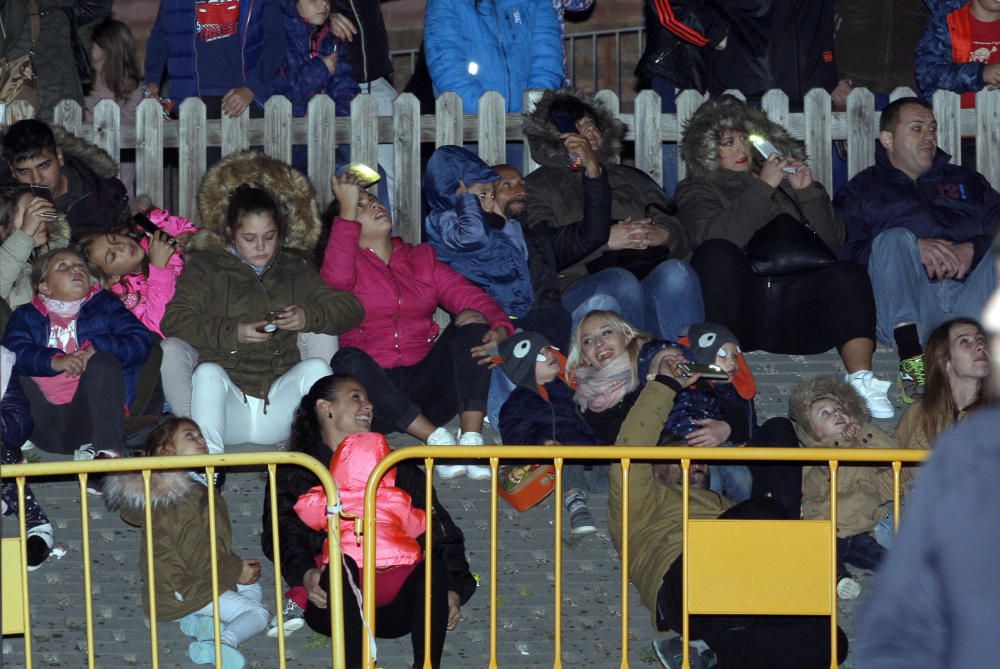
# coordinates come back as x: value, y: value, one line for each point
x: 907, y: 341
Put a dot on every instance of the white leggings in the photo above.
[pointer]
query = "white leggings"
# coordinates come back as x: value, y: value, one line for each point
x: 242, y: 612
x: 227, y: 416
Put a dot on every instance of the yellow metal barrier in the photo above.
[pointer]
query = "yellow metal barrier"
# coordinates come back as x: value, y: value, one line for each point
x: 15, y: 552
x: 819, y: 538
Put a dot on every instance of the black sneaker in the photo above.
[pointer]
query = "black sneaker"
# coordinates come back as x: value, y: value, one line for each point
x: 39, y: 545
x: 95, y: 482
x: 670, y: 653
x: 581, y: 520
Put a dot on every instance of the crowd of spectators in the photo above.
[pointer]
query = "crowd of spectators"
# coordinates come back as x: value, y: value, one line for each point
x: 585, y: 303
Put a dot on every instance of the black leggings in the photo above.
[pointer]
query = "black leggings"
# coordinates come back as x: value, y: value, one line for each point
x: 780, y: 481
x: 800, y: 314
x: 747, y: 641
x: 94, y: 415
x: 446, y: 382
x: 404, y: 615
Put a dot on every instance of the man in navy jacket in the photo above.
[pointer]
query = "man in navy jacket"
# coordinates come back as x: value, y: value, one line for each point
x: 924, y: 228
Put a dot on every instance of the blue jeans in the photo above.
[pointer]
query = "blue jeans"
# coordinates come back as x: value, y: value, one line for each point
x: 664, y: 304
x: 668, y: 105
x: 904, y: 293
x: 861, y: 551
x: 734, y: 482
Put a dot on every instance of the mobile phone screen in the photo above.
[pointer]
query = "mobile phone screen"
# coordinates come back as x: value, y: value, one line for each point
x: 563, y: 121
x: 765, y: 147
x: 42, y: 191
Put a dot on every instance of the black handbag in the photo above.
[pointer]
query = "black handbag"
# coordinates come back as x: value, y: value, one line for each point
x: 787, y: 246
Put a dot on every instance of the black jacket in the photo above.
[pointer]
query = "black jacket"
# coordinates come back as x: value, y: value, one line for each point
x: 368, y: 53
x: 92, y: 204
x: 300, y: 544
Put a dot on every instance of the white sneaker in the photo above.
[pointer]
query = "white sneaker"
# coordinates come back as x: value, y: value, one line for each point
x: 475, y: 472
x: 442, y: 437
x: 874, y: 391
x: 848, y: 588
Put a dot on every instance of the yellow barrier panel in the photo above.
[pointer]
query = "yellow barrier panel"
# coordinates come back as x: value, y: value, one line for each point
x: 823, y: 583
x: 13, y: 590
x: 15, y: 551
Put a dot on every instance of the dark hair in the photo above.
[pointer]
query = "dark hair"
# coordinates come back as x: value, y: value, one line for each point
x: 161, y: 440
x: 938, y: 408
x: 249, y: 199
x: 121, y: 66
x: 27, y: 139
x: 306, y: 432
x: 576, y: 109
x: 892, y: 111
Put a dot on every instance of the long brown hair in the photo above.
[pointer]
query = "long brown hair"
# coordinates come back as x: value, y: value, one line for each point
x: 121, y: 70
x: 937, y: 408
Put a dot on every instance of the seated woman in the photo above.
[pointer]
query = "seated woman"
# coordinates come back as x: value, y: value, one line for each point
x: 336, y: 407
x: 727, y: 197
x: 79, y: 351
x: 241, y: 302
x: 29, y: 226
x: 417, y: 380
x: 612, y: 361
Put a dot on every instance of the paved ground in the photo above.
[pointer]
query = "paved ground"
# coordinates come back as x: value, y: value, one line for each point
x: 592, y: 606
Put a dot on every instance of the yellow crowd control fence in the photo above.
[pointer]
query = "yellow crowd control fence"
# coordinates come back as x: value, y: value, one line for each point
x: 16, y: 595
x: 800, y: 580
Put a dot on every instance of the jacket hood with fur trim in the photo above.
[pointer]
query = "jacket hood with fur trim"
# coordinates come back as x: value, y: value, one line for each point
x: 825, y: 386
x: 89, y: 154
x: 543, y: 136
x: 124, y: 492
x: 290, y: 188
x: 702, y: 132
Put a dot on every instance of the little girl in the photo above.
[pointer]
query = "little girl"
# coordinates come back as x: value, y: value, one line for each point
x: 79, y: 351
x: 118, y: 77
x: 144, y: 275
x: 182, y: 554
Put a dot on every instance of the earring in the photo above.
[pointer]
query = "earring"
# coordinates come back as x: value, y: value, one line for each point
x: 329, y: 414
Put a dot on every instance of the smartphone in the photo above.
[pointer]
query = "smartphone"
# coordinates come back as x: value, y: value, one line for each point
x: 42, y: 191
x: 563, y: 120
x: 143, y: 224
x: 365, y: 175
x: 269, y: 327
x: 767, y: 150
x: 707, y: 371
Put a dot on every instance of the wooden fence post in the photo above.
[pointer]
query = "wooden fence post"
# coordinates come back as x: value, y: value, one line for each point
x: 321, y: 116
x: 861, y: 131
x: 69, y: 115
x: 492, y: 128
x: 988, y: 136
x: 149, y: 150
x: 107, y: 129
x: 648, y: 135
x: 948, y: 113
x: 818, y: 117
x: 775, y: 105
x: 278, y: 128
x: 192, y: 143
x: 406, y: 163
x: 364, y: 131
x: 234, y: 133
x: 448, y: 120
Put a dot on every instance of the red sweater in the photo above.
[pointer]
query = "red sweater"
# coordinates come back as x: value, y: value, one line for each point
x: 400, y: 297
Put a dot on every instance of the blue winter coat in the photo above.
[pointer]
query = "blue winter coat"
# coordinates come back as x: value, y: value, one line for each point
x: 304, y: 75
x: 948, y: 202
x: 456, y: 227
x: 16, y: 422
x: 474, y: 46
x: 103, y: 321
x: 172, y: 45
x: 526, y: 418
x: 936, y: 67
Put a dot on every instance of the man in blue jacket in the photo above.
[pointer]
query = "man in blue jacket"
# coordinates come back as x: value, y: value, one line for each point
x: 924, y: 228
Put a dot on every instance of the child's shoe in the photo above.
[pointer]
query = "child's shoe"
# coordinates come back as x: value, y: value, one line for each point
x: 911, y: 378
x: 203, y: 652
x: 293, y: 619
x: 670, y: 653
x: 442, y: 437
x: 95, y: 482
x: 581, y: 520
x: 848, y: 588
x: 201, y: 628
x: 476, y: 472
x: 874, y: 391
x: 39, y: 545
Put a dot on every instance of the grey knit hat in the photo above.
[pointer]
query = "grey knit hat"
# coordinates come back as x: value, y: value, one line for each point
x: 706, y: 339
x: 520, y: 352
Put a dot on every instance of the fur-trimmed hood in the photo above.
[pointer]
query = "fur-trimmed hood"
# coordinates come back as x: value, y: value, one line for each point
x: 89, y: 154
x: 700, y: 143
x: 824, y: 386
x: 289, y: 187
x: 543, y: 136
x: 124, y: 492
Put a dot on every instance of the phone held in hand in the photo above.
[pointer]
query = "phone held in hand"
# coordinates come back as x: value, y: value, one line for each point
x: 143, y: 224
x: 713, y: 372
x: 766, y: 149
x: 269, y: 327
x: 564, y: 122
x: 365, y: 175
x: 42, y: 191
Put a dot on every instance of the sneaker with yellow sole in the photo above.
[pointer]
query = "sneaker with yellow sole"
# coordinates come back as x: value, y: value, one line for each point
x: 911, y: 378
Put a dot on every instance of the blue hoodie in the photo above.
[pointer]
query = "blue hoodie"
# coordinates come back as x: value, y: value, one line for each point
x: 494, y: 259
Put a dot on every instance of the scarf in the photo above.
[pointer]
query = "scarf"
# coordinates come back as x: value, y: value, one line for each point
x: 600, y: 389
x: 63, y: 308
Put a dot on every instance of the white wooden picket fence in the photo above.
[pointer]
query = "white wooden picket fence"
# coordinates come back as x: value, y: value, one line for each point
x: 492, y: 128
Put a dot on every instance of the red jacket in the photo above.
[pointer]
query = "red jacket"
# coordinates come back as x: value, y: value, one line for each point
x: 399, y: 298
x: 397, y: 522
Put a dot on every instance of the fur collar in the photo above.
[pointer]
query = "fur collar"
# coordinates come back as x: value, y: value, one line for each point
x: 829, y: 386
x: 124, y: 492
x: 89, y: 154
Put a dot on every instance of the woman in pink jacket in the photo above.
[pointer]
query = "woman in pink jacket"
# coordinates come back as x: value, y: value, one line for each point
x: 416, y: 379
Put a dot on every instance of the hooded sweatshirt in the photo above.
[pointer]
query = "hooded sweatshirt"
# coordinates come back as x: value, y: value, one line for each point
x: 861, y: 490
x: 467, y: 238
x: 556, y: 193
x: 397, y: 522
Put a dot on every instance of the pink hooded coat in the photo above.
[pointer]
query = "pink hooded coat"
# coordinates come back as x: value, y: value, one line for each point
x: 397, y: 522
x: 148, y: 296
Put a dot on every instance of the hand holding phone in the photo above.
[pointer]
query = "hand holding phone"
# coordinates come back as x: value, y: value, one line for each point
x: 713, y: 372
x: 269, y: 326
x: 766, y: 149
x: 364, y: 175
